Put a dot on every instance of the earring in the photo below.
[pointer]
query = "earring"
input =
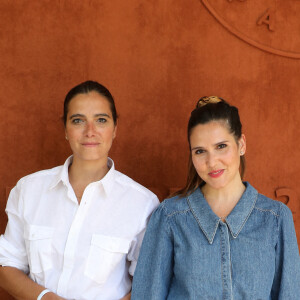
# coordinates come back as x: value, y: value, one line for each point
x: 242, y: 153
x: 66, y: 137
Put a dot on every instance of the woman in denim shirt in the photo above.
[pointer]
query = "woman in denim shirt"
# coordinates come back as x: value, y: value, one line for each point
x: 218, y: 238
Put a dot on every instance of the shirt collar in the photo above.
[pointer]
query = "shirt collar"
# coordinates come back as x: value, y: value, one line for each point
x: 209, y: 221
x: 107, y: 181
x: 62, y: 175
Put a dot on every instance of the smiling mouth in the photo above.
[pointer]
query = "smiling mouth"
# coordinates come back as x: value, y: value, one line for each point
x: 216, y: 174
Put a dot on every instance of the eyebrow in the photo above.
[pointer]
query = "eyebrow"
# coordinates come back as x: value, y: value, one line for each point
x: 82, y: 116
x: 219, y: 143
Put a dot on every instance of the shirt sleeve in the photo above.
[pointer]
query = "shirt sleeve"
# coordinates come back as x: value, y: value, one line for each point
x: 12, y: 246
x: 154, y: 270
x: 286, y: 284
x: 137, y: 242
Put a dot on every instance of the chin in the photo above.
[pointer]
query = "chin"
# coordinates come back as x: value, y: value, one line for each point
x: 216, y: 185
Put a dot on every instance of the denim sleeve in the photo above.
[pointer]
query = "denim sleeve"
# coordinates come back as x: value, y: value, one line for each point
x: 154, y: 269
x: 286, y: 283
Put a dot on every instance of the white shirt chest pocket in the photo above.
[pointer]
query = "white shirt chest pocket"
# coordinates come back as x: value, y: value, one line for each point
x: 106, y: 255
x: 38, y: 240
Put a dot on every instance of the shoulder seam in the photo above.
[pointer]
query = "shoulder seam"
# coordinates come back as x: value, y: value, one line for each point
x: 178, y: 212
x: 40, y: 173
x: 267, y: 210
x: 167, y: 221
x: 133, y: 185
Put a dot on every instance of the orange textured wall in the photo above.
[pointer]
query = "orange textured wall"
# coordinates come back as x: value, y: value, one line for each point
x: 157, y: 58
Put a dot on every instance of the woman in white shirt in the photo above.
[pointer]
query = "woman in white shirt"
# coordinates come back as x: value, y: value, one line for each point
x: 74, y: 231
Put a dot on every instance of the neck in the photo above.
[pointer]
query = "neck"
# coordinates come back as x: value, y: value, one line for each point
x: 82, y: 173
x: 223, y: 200
x: 88, y: 170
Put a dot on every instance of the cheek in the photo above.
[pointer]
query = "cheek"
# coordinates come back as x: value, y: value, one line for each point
x: 108, y: 134
x: 72, y: 133
x: 198, y: 163
x: 232, y: 158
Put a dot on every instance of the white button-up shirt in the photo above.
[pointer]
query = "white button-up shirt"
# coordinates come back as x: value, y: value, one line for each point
x: 79, y: 251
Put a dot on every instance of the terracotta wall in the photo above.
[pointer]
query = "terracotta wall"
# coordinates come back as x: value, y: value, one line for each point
x: 157, y: 58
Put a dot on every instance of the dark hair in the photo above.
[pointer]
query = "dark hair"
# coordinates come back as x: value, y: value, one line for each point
x: 85, y: 88
x: 211, y: 109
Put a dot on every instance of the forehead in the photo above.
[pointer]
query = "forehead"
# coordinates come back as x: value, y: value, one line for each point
x: 89, y: 103
x: 211, y: 133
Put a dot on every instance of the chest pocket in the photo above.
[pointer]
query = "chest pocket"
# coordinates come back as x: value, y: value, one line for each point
x: 38, y: 241
x: 105, y: 255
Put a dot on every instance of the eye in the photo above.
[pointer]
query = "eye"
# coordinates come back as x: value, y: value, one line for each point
x: 101, y: 120
x: 199, y: 151
x: 221, y: 146
x: 76, y: 121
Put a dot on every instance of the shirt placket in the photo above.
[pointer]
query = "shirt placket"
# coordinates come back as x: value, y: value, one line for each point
x: 72, y: 241
x: 226, y: 262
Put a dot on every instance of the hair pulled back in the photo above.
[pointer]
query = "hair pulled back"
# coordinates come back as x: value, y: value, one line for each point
x: 85, y: 88
x: 210, y: 109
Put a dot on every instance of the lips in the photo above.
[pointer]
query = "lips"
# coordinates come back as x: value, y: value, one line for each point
x: 90, y: 144
x: 216, y: 173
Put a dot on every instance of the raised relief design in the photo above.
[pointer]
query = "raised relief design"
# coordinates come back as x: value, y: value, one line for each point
x: 270, y: 25
x: 268, y: 18
x: 291, y: 199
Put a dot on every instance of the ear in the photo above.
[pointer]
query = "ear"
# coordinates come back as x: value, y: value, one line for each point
x: 115, y: 131
x: 242, y: 145
x: 66, y: 136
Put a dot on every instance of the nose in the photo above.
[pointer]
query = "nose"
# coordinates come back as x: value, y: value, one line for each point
x: 211, y: 160
x: 90, y: 129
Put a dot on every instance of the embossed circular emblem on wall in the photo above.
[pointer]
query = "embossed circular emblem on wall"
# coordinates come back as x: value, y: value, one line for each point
x: 270, y: 25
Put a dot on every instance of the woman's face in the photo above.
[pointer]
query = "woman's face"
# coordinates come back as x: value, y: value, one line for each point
x: 90, y: 128
x: 216, y: 154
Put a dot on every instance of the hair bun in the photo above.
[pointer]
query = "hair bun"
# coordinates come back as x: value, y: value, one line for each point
x: 208, y: 99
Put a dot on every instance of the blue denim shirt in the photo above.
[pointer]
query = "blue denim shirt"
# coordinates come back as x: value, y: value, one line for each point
x: 189, y: 253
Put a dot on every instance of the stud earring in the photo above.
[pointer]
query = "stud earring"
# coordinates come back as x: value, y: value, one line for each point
x: 66, y: 137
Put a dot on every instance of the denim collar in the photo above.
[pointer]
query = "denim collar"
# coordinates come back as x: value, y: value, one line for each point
x: 209, y: 221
